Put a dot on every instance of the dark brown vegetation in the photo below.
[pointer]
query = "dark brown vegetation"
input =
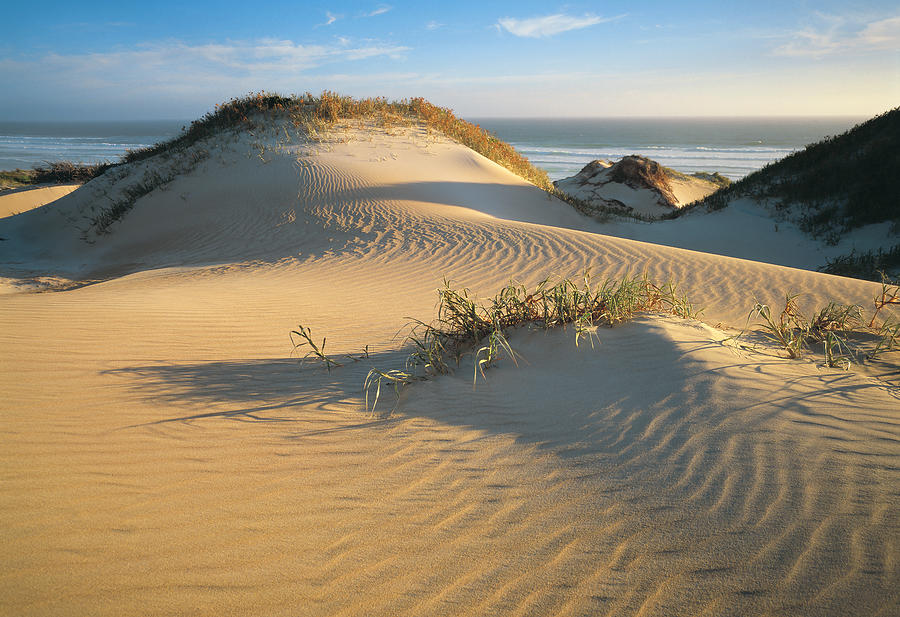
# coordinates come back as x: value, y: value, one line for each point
x: 60, y: 172
x: 639, y: 172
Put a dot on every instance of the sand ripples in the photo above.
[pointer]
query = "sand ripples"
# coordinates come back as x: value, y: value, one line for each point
x: 163, y: 454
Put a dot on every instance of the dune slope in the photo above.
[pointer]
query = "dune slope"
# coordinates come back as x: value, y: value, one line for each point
x: 163, y: 454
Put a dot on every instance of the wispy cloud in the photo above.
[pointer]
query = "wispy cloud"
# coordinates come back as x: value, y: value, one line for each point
x: 381, y: 10
x: 838, y: 35
x: 174, y: 65
x: 537, y: 27
x: 330, y: 18
x: 433, y: 25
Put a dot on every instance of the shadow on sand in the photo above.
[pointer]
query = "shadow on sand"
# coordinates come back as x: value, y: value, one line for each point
x: 636, y: 392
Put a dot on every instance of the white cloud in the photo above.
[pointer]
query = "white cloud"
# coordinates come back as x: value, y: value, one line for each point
x: 536, y: 27
x: 884, y: 34
x: 381, y: 10
x: 433, y: 25
x: 175, y: 66
x: 839, y: 35
x: 331, y: 18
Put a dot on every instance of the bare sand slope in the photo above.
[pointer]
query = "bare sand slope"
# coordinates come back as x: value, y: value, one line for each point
x: 21, y: 200
x: 162, y: 453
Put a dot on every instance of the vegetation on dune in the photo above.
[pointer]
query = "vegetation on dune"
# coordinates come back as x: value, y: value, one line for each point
x: 316, y: 114
x: 16, y: 178
x: 715, y: 177
x: 60, y: 172
x: 150, y: 180
x: 468, y: 328
x: 833, y: 186
x: 313, y: 116
x: 868, y: 265
x: 635, y: 171
x: 839, y: 330
x: 310, y: 114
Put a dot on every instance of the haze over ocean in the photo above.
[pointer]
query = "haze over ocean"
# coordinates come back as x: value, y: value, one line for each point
x: 733, y: 147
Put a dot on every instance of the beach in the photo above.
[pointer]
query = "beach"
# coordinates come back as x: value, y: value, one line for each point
x: 166, y: 451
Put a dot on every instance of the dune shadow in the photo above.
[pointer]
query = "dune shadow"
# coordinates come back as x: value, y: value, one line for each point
x: 637, y: 393
x: 275, y: 390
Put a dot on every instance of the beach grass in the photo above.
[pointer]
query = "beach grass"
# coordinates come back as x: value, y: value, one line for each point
x: 841, y: 331
x: 868, y: 265
x: 314, y: 115
x: 58, y: 172
x: 302, y: 338
x: 469, y: 327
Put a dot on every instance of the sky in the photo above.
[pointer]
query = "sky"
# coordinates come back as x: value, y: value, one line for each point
x: 175, y: 60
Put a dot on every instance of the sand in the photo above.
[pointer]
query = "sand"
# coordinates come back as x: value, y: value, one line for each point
x: 21, y: 200
x: 163, y: 453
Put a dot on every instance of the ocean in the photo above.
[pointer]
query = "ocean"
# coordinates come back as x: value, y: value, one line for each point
x: 24, y: 145
x: 733, y: 147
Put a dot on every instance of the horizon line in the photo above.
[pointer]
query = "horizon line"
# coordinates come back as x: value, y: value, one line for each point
x: 510, y: 117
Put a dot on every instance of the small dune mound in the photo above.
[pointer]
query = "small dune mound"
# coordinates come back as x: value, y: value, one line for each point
x: 635, y: 186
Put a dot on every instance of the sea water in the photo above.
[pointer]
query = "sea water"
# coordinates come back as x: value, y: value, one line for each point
x: 24, y: 145
x: 733, y: 147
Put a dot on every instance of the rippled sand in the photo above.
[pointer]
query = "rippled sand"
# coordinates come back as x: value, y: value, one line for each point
x: 163, y: 454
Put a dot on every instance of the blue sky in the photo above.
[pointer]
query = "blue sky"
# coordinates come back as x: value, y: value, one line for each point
x: 155, y: 60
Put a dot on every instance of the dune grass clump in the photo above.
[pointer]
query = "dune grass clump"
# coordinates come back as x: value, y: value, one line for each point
x: 840, y: 330
x: 151, y: 179
x: 59, y: 172
x: 234, y: 113
x: 329, y: 108
x: 64, y: 172
x: 868, y: 265
x: 16, y: 178
x: 466, y: 327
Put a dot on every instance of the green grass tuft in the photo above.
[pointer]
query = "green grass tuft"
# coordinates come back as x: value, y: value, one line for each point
x: 839, y: 329
x: 302, y: 337
x: 468, y: 327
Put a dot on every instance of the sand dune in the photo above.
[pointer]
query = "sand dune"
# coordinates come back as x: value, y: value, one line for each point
x: 163, y: 453
x: 20, y: 200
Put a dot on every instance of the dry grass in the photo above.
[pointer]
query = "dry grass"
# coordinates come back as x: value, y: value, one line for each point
x: 468, y: 327
x: 315, y: 115
x: 59, y: 172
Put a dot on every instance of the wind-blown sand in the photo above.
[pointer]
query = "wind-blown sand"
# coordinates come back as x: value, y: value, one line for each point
x: 162, y: 454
